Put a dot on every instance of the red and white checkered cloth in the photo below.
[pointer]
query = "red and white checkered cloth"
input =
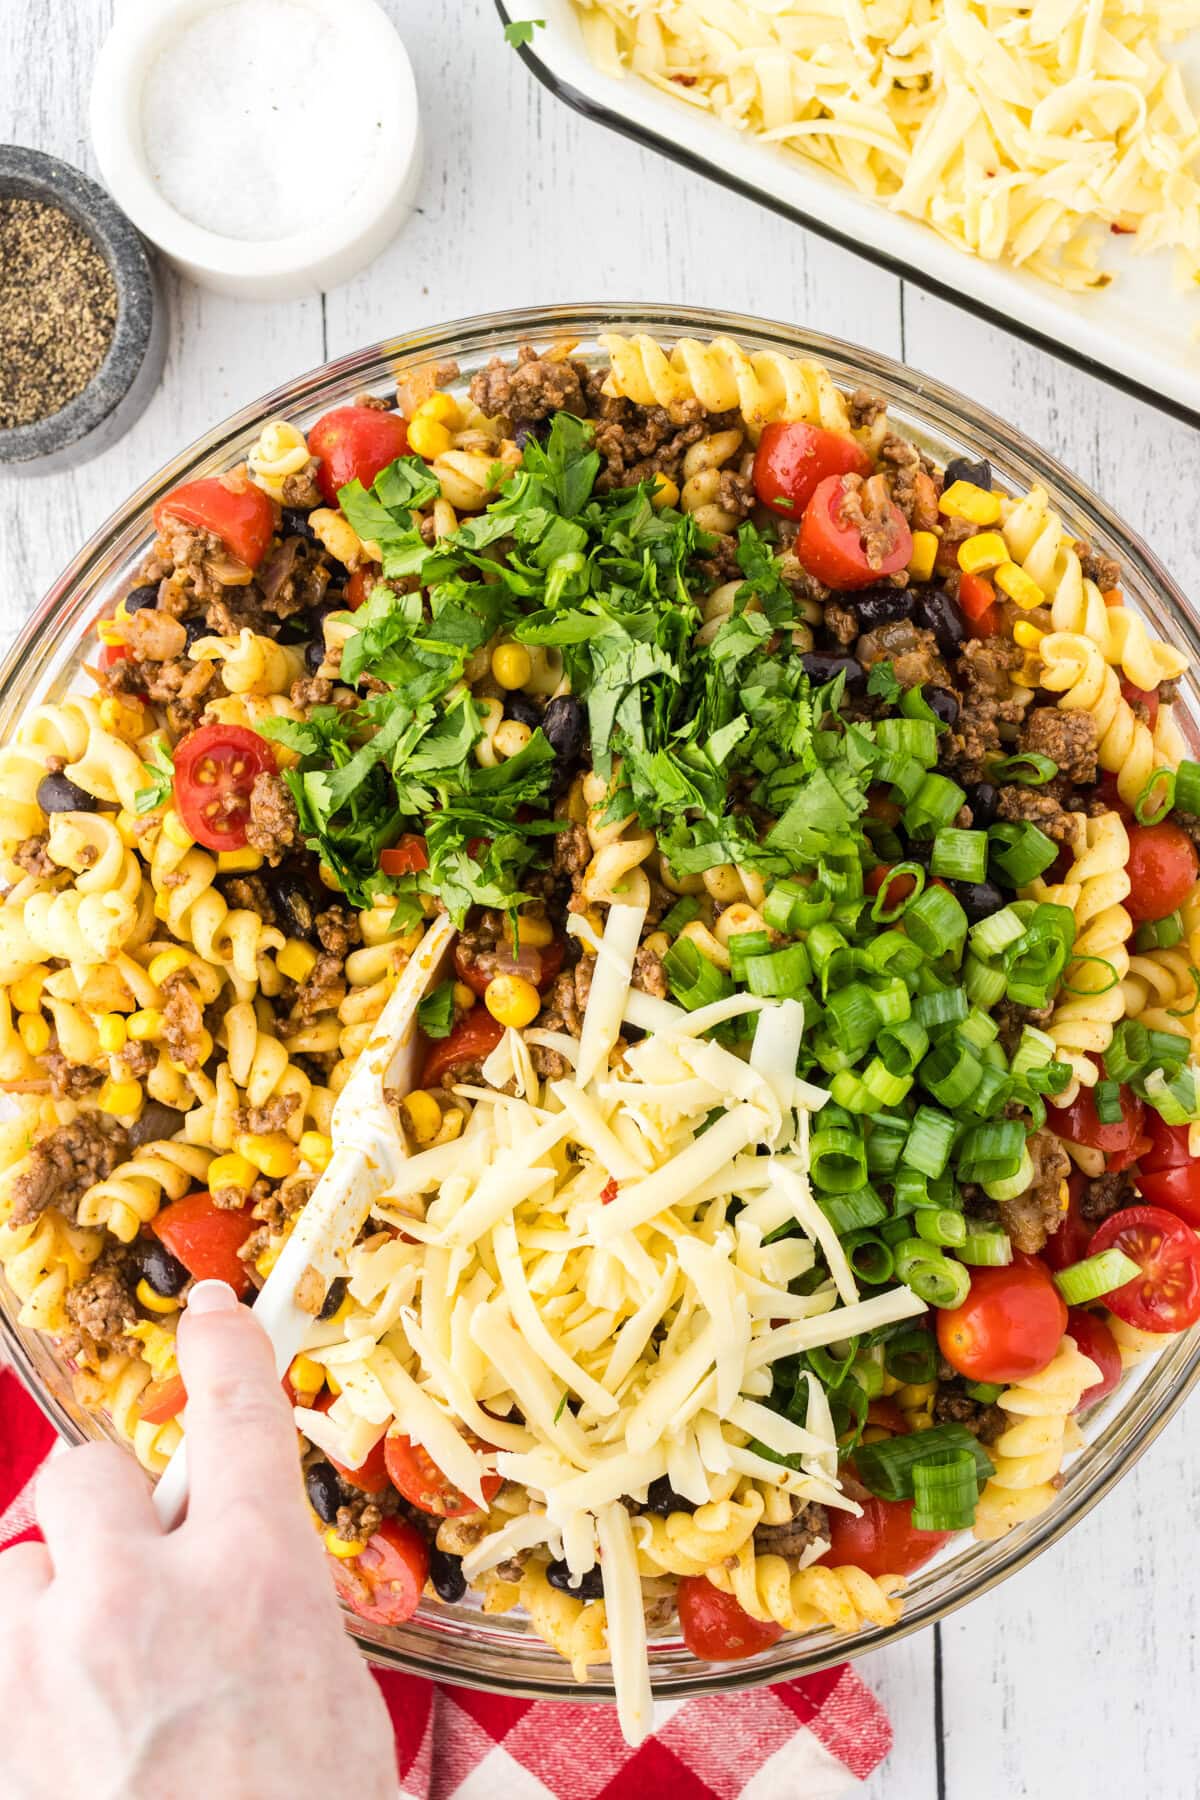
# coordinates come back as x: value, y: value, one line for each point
x: 799, y: 1740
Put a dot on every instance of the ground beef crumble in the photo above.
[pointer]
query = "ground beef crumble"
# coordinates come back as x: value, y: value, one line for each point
x: 101, y: 1309
x: 809, y: 1523
x: 65, y: 1164
x: 32, y: 856
x: 1106, y: 1195
x: 273, y: 827
x: 912, y: 652
x: 531, y: 389
x: 1037, y: 1214
x: 1068, y: 738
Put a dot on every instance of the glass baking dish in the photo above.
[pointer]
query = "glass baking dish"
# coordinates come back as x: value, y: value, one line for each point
x: 458, y: 1643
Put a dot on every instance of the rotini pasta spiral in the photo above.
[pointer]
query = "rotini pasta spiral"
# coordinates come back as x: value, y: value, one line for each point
x: 801, y: 1600
x: 1028, y: 1454
x: 1074, y: 668
x: 281, y: 450
x: 764, y: 386
x: 692, y: 1543
x: 575, y: 1628
x: 133, y: 1193
x: 1162, y: 990
x: 251, y: 663
x: 197, y: 913
x: 615, y: 875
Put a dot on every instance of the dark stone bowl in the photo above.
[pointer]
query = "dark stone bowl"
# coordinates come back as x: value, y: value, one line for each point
x: 121, y: 387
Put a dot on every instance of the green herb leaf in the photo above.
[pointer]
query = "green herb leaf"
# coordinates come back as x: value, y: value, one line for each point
x: 435, y: 1013
x: 161, y: 772
x: 517, y: 33
x: 882, y: 681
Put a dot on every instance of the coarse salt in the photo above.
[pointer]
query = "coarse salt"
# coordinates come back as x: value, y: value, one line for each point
x: 229, y: 115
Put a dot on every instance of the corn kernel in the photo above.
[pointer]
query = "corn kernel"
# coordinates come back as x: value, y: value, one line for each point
x: 512, y: 1000
x: 127, y: 829
x: 977, y: 554
x: 27, y: 991
x: 534, y: 929
x: 230, y: 1171
x: 963, y: 500
x: 111, y: 631
x: 328, y: 878
x: 1030, y: 673
x: 239, y: 862
x: 422, y: 1115
x: 919, y: 1421
x: 111, y: 1031
x: 1026, y: 635
x: 305, y: 1375
x: 269, y: 1257
x: 427, y: 437
x: 1019, y: 586
x: 124, y: 718
x: 666, y: 491
x: 146, y: 1025
x: 440, y: 406
x: 916, y: 1394
x: 511, y: 738
x: 167, y: 963
x: 35, y: 1033
x: 464, y: 997
x: 452, y: 1126
x: 296, y: 960
x: 316, y: 1149
x: 154, y: 1302
x: 890, y: 1385
x: 512, y: 665
x: 658, y: 943
x: 176, y: 831
x: 345, y: 1547
x: 925, y: 549
x: 273, y: 1152
x: 120, y: 1098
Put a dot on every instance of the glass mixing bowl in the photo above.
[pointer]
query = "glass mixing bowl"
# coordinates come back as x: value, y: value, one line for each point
x: 457, y: 1643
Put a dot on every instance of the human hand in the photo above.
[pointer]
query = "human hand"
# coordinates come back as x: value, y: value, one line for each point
x: 208, y: 1664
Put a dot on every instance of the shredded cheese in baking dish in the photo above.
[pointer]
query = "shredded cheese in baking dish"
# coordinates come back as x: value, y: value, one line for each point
x: 1021, y: 132
x: 593, y: 1260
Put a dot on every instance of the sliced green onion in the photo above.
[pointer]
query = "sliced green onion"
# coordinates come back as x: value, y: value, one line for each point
x: 947, y: 1006
x: 885, y: 1142
x: 935, y: 922
x: 877, y: 1086
x: 986, y: 1392
x: 829, y: 1369
x: 1034, y: 1049
x: 936, y: 803
x: 940, y: 1226
x: 959, y: 855
x: 852, y: 1017
x: 909, y: 737
x: 986, y: 1247
x: 893, y: 951
x: 781, y: 975
x: 911, y: 1357
x: 995, y: 933
x: 1174, y: 1098
x: 914, y: 705
x: 930, y: 1273
x: 984, y: 984
x: 745, y: 944
x: 886, y: 1467
x: 1020, y: 851
x: 901, y: 1047
x: 823, y: 940
x: 1107, y: 1098
x: 893, y: 1002
x: 910, y: 1189
x: 1095, y: 1275
x: 1187, y: 787
x: 855, y: 1211
x: 979, y: 1029
x: 1007, y: 1187
x: 869, y: 1375
x: 1028, y: 767
x: 695, y: 982
x: 1159, y: 934
x: 808, y: 913
x: 884, y: 913
x: 870, y: 1259
x: 945, y: 1491
x: 994, y: 1088
x: 903, y: 774
x: 1148, y: 810
x: 929, y: 1141
x: 685, y: 909
x: 837, y: 1160
x: 951, y: 1072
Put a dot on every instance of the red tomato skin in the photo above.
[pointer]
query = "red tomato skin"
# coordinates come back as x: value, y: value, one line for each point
x: 384, y: 1582
x: 206, y: 1239
x: 1147, y: 697
x: 164, y: 1399
x: 476, y: 975
x: 370, y: 1476
x: 238, y: 756
x: 353, y: 443
x: 1069, y: 1244
x: 415, y: 1475
x: 1175, y: 1190
x: 1162, y: 868
x: 1093, y: 1337
x: 356, y: 588
x: 1078, y: 1123
x: 239, y: 513
x: 1008, y: 1327
x: 883, y: 1541
x: 715, y: 1628
x: 1165, y: 1297
x: 975, y: 595
x: 791, y: 460
x: 407, y: 856
x: 834, y: 553
x: 472, y: 1040
x: 1168, y: 1145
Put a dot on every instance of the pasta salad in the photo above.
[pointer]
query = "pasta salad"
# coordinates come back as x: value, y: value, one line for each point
x: 802, y: 1132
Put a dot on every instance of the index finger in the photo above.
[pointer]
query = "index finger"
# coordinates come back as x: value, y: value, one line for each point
x: 240, y: 1435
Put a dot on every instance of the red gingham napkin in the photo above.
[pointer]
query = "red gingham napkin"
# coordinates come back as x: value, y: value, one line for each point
x: 807, y: 1738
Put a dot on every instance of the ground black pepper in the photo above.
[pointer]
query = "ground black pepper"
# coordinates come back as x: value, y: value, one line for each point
x: 58, y: 311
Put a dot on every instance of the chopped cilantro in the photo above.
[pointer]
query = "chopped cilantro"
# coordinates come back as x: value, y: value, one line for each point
x: 520, y: 31
x: 161, y: 772
x: 882, y: 681
x: 562, y: 1406
x: 435, y: 1014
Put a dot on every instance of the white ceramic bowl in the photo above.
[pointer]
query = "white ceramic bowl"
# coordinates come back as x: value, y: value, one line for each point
x: 305, y: 262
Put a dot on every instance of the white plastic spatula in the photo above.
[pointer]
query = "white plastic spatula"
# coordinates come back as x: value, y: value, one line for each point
x: 367, y: 1151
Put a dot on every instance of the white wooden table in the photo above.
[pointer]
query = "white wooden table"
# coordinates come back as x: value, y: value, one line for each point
x: 1079, y: 1676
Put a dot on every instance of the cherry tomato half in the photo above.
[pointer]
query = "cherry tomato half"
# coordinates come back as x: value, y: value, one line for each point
x: 791, y: 460
x: 163, y: 1400
x: 1079, y: 1123
x: 1163, y: 868
x: 1008, y: 1327
x: 407, y: 856
x: 356, y: 587
x: 883, y: 1541
x: 472, y: 1040
x: 832, y: 547
x: 1177, y: 1190
x: 384, y: 1581
x: 215, y: 771
x: 1069, y: 1244
x: 1166, y: 1295
x: 414, y: 1474
x: 715, y: 1628
x: 206, y: 1239
x: 1168, y: 1145
x: 1147, y: 697
x: 231, y: 507
x: 353, y: 443
x: 1093, y: 1337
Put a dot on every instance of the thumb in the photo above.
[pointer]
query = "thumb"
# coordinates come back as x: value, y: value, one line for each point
x: 240, y: 1436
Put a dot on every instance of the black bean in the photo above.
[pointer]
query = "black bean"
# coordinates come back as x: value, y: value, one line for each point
x: 564, y: 723
x: 154, y: 1123
x: 445, y: 1572
x: 57, y: 793
x: 314, y: 654
x: 334, y: 1298
x: 159, y: 1268
x: 936, y: 612
x: 978, y: 899
x: 294, y: 523
x: 539, y: 430
x: 589, y: 1587
x: 661, y: 1498
x: 293, y: 899
x: 820, y: 666
x: 942, y: 703
x: 525, y: 711
x: 961, y: 468
x: 880, y: 606
x: 324, y: 1490
x: 196, y: 629
x: 140, y: 597
x: 984, y: 801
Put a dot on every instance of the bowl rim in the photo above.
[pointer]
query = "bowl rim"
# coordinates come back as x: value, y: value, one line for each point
x: 1168, y: 1379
